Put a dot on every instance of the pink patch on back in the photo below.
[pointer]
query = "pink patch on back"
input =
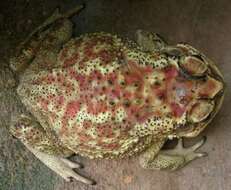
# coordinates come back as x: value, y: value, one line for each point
x: 44, y: 103
x: 105, y: 56
x: 60, y: 100
x: 72, y: 60
x: 177, y: 110
x: 96, y: 107
x: 170, y: 72
x: 72, y: 109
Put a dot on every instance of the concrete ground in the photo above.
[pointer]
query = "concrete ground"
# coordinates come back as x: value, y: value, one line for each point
x: 204, y: 24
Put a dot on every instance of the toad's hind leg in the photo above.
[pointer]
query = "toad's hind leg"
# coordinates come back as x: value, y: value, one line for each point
x: 148, y: 41
x: 61, y: 166
x: 44, y: 42
x: 46, y: 148
x: 171, y: 159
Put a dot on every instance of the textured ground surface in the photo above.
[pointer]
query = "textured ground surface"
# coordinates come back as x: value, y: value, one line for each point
x: 204, y: 24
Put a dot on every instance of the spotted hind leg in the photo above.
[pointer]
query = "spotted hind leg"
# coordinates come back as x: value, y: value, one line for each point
x: 46, y: 148
x: 61, y: 166
x: 44, y: 42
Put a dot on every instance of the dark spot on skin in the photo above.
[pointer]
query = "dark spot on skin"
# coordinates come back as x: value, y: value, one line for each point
x: 110, y: 82
x: 136, y: 84
x: 112, y: 103
x: 157, y: 83
x: 147, y: 101
x: 161, y: 96
x: 103, y: 88
x: 122, y: 83
x: 137, y: 115
x: 127, y: 104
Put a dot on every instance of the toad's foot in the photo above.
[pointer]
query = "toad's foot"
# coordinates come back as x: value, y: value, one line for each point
x: 61, y: 166
x: 171, y: 159
x: 180, y: 156
x: 188, y: 154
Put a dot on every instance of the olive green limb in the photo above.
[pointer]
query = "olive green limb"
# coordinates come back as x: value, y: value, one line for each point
x: 48, y: 37
x: 46, y: 148
x: 30, y: 132
x: 171, y: 159
x: 148, y: 41
x: 61, y: 166
x: 53, y: 18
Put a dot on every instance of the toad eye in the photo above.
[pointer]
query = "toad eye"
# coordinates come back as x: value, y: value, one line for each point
x: 200, y: 110
x: 193, y: 65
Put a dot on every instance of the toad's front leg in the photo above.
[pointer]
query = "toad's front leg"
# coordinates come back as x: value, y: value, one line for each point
x: 46, y: 148
x: 149, y: 41
x: 171, y: 159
